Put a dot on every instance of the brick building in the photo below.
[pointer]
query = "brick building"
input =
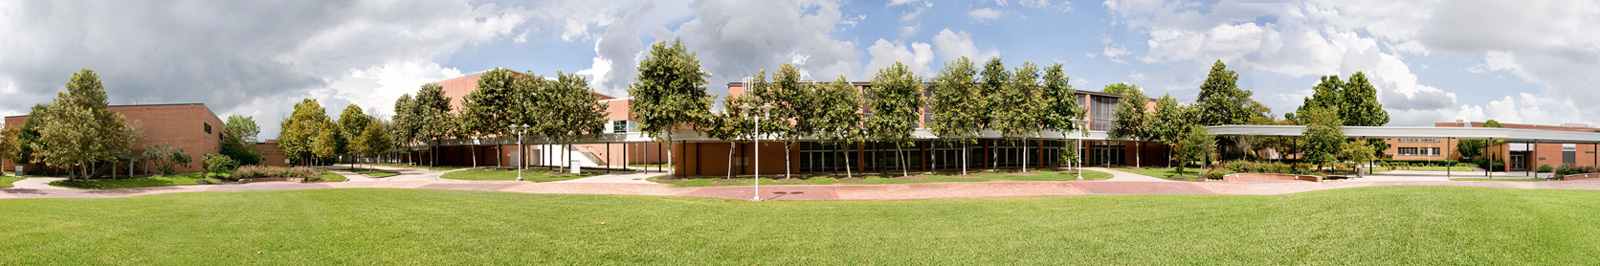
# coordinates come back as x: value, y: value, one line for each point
x: 1519, y: 155
x: 190, y: 126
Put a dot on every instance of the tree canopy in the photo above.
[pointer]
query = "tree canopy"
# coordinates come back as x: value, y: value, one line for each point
x: 838, y: 105
x: 1323, y: 138
x: 669, y: 92
x: 78, y: 129
x: 1221, y: 102
x: 299, y: 131
x: 1061, y: 111
x: 895, y: 97
x: 1020, y: 106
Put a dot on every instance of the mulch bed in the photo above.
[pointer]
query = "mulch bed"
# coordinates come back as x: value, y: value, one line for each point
x: 915, y: 177
x: 788, y: 180
x: 726, y: 181
x: 850, y: 179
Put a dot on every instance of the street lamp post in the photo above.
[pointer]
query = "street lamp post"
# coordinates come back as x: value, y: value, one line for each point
x: 757, y: 142
x: 520, y: 154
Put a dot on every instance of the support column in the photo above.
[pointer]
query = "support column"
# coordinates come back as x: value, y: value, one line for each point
x: 1447, y: 157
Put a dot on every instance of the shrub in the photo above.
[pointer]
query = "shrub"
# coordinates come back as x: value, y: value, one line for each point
x: 1419, y: 162
x: 1217, y: 174
x: 1545, y: 169
x: 218, y: 164
x: 256, y: 171
x: 1567, y: 169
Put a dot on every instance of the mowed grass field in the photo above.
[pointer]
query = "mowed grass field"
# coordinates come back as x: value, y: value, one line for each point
x: 1396, y: 225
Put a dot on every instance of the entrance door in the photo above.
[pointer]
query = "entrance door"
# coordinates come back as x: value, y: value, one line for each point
x: 1519, y: 161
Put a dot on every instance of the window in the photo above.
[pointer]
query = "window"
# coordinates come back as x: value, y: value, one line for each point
x: 1408, y: 151
x: 208, y: 127
x: 624, y: 126
x: 1569, y: 153
x: 1101, y: 112
x: 1434, y: 152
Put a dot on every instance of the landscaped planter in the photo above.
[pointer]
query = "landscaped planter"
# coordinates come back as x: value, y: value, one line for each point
x: 1269, y: 177
x: 272, y: 179
x: 1581, y: 176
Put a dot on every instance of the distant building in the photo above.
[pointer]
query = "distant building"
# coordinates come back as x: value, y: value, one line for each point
x: 190, y: 126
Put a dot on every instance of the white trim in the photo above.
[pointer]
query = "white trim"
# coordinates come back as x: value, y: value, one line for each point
x: 1511, y: 134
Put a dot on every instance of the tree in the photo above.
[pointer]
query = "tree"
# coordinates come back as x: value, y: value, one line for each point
x: 572, y: 111
x: 1327, y: 94
x: 669, y: 92
x: 896, y: 96
x: 1360, y: 103
x: 1170, y: 122
x: 166, y: 158
x: 9, y: 148
x: 1123, y: 89
x: 28, y: 135
x: 959, y: 105
x: 372, y: 140
x: 403, y: 129
x: 995, y: 76
x: 1196, y: 144
x: 487, y: 110
x: 351, y: 123
x: 1221, y: 102
x: 1062, y: 111
x: 243, y: 127
x: 733, y: 124
x: 529, y: 93
x: 1472, y: 148
x: 790, y: 115
x: 1323, y: 135
x: 1358, y: 151
x: 1020, y: 107
x: 838, y: 106
x: 298, y: 131
x: 218, y: 164
x: 432, y: 115
x: 329, y: 142
x: 79, y: 130
x: 1133, y: 117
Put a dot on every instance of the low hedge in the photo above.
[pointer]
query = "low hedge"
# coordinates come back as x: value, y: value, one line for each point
x: 1568, y: 169
x: 256, y: 171
x: 1420, y: 162
x: 1268, y: 167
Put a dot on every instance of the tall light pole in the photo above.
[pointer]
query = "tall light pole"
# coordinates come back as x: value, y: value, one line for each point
x: 1430, y: 154
x: 757, y: 143
x: 521, y: 161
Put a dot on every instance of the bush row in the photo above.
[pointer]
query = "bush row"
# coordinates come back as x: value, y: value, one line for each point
x: 1568, y: 169
x: 1268, y: 168
x: 257, y: 171
x: 1419, y: 162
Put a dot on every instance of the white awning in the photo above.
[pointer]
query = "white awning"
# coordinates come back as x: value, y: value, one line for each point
x: 1509, y: 134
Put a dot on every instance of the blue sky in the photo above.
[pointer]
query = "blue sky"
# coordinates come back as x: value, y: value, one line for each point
x: 1432, y: 61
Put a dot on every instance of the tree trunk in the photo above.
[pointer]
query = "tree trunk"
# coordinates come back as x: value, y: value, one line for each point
x: 731, y: 146
x: 786, y: 160
x: 900, y: 151
x: 1138, y: 154
x: 963, y: 156
x: 1024, y: 154
x: 673, y: 170
x: 847, y: 165
x: 474, y: 154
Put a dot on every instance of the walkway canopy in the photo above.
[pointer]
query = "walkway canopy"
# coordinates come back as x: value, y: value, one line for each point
x: 1509, y: 134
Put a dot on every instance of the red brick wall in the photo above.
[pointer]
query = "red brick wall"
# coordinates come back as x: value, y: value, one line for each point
x: 178, y: 125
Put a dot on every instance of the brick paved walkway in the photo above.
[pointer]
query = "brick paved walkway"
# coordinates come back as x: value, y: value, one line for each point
x: 807, y: 192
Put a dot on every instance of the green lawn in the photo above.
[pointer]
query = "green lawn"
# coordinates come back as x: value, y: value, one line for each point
x: 327, y: 176
x: 376, y: 172
x: 1395, y: 225
x: 154, y: 181
x: 1161, y: 172
x: 5, y: 181
x: 882, y: 179
x: 1517, y: 179
x: 509, y: 175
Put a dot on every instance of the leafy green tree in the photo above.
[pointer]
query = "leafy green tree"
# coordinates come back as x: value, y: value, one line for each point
x: 218, y: 164
x: 239, y: 140
x: 1133, y: 119
x: 1359, y: 151
x: 1360, y: 106
x: 1062, y: 112
x: 573, y: 112
x: 839, y: 115
x: 488, y: 110
x: 166, y: 158
x: 28, y: 135
x: 530, y: 92
x: 403, y: 128
x: 1221, y: 102
x: 1323, y: 135
x: 243, y: 127
x: 79, y: 130
x: 373, y: 140
x: 959, y: 105
x: 1196, y: 144
x: 298, y: 131
x: 432, y: 114
x: 1472, y: 148
x: 9, y: 148
x: 1169, y: 123
x: 1020, y: 107
x: 351, y: 123
x: 329, y: 142
x: 669, y: 92
x: 1327, y: 94
x: 733, y: 124
x: 995, y: 77
x: 896, y: 96
x: 1123, y: 89
x: 789, y: 117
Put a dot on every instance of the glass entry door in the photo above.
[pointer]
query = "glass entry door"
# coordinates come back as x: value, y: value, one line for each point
x: 1519, y: 161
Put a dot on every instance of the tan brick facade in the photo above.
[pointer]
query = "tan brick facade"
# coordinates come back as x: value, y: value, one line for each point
x: 192, y: 127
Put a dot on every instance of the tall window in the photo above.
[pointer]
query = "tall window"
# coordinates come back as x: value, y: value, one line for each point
x: 1408, y: 150
x: 1569, y: 153
x: 1101, y: 112
x: 208, y: 127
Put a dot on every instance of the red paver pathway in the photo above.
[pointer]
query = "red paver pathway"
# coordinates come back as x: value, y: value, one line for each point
x: 816, y: 192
